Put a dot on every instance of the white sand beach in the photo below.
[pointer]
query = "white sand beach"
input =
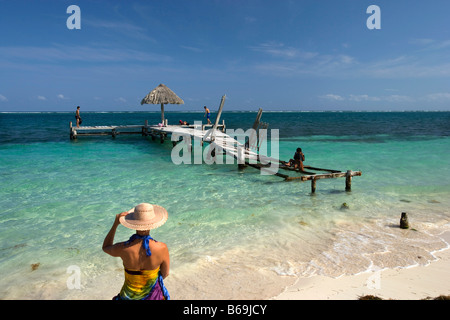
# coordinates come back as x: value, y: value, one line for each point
x: 412, y: 283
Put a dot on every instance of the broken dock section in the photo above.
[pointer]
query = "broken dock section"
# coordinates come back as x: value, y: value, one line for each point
x: 309, y: 175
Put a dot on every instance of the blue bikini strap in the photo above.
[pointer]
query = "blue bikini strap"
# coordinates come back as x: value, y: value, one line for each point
x: 145, y: 241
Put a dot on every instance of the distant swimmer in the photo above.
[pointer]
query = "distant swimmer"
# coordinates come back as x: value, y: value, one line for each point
x: 207, y: 114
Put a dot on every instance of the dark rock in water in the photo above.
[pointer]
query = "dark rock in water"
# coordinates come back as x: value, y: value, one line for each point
x: 404, y: 224
x: 344, y: 206
x: 34, y: 266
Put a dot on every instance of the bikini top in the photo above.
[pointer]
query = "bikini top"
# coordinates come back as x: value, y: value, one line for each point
x: 145, y: 241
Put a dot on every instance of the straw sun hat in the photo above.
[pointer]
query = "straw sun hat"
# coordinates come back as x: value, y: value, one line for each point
x: 144, y: 216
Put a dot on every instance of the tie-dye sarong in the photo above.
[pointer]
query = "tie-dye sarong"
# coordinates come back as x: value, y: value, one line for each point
x: 143, y: 285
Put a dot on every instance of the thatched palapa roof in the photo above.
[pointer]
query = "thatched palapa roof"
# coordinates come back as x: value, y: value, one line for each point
x: 162, y: 95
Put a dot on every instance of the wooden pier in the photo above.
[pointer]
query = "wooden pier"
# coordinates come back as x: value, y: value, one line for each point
x: 145, y: 130
x: 226, y: 145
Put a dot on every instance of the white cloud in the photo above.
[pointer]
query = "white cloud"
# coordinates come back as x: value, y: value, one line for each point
x: 363, y: 97
x: 278, y: 49
x: 3, y: 98
x: 293, y: 61
x: 41, y: 98
x: 439, y: 96
x: 193, y: 49
x: 421, y: 41
x: 290, y: 61
x: 430, y: 44
x: 346, y: 59
x: 334, y: 97
x: 122, y: 100
x: 398, y: 98
x: 79, y: 53
x: 128, y: 29
x: 61, y: 96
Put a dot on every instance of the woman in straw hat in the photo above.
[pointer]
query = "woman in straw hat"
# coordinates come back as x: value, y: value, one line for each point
x: 145, y: 260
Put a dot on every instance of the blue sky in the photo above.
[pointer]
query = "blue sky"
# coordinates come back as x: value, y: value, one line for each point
x: 277, y: 55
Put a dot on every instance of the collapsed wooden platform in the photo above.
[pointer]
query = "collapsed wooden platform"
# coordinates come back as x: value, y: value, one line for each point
x: 308, y: 175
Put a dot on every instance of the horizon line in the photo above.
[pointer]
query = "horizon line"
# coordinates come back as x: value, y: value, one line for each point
x: 243, y: 111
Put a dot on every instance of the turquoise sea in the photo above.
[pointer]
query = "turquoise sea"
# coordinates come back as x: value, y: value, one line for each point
x: 232, y: 234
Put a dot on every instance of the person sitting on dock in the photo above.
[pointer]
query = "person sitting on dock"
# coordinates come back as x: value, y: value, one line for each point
x: 145, y: 260
x: 299, y: 157
x: 207, y: 114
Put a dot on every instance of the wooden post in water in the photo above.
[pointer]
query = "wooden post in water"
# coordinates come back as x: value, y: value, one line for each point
x: 219, y: 113
x: 73, y: 132
x: 145, y: 129
x: 404, y: 224
x: 254, y: 135
x: 241, y: 158
x: 348, y: 180
x: 211, y: 132
x: 313, y: 185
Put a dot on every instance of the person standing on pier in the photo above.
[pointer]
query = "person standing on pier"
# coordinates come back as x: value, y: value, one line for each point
x: 207, y: 114
x: 78, y: 117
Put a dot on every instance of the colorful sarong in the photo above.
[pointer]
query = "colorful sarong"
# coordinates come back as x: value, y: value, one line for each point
x: 143, y: 285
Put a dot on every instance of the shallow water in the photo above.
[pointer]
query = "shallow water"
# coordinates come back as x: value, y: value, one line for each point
x: 231, y: 234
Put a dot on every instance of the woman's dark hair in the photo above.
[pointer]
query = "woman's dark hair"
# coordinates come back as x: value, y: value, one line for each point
x: 299, y: 149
